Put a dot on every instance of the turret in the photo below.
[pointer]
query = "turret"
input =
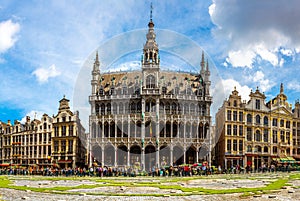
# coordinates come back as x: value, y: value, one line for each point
x: 95, y: 74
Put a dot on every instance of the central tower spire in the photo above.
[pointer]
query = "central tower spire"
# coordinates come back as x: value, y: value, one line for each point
x: 150, y: 57
x: 150, y: 51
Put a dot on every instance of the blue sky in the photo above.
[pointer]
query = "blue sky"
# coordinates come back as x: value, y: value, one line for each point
x: 44, y: 44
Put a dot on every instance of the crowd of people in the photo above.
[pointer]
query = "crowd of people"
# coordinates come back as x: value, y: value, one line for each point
x: 166, y: 171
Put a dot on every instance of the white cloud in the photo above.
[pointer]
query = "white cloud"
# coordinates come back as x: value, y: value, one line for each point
x: 267, y: 55
x: 241, y: 58
x: 255, y: 29
x: 33, y: 115
x: 286, y: 52
x: 294, y: 85
x: 263, y: 83
x: 43, y: 74
x: 229, y: 85
x: 8, y: 31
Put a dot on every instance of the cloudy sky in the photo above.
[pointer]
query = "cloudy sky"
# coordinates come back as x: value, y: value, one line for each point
x: 45, y: 44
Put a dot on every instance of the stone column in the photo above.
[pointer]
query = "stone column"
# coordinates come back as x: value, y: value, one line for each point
x: 128, y: 157
x: 116, y: 155
x: 102, y: 155
x: 171, y: 155
x: 184, y: 154
x: 157, y: 157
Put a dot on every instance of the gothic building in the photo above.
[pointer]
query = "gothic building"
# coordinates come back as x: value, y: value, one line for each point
x: 151, y: 117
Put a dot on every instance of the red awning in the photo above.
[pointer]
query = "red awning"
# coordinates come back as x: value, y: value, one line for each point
x: 4, y: 165
x: 65, y: 161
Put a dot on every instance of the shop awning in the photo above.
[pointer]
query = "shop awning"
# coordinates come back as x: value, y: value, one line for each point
x: 4, y: 164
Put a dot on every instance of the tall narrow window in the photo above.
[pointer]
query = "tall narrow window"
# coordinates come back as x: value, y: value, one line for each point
x: 235, y: 130
x: 257, y: 104
x: 249, y: 134
x: 228, y: 129
x: 241, y: 145
x: 234, y: 115
x: 274, y: 136
x: 257, y: 119
x: 241, y: 130
x: 241, y: 116
x: 266, y: 135
x: 249, y: 118
x: 266, y: 122
x: 150, y: 81
x: 234, y: 145
x: 70, y: 147
x: 228, y: 115
x: 229, y: 146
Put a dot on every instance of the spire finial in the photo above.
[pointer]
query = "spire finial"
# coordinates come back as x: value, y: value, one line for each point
x: 151, y: 8
x: 281, y: 88
x: 97, y: 59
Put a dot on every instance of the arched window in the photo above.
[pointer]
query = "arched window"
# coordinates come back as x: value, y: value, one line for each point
x: 132, y: 107
x: 97, y: 109
x: 121, y: 108
x: 257, y: 136
x: 266, y: 121
x: 108, y: 108
x: 150, y: 81
x: 102, y: 109
x: 274, y: 150
x: 249, y: 118
x: 266, y: 149
x: 249, y: 148
x: 101, y: 92
x: 257, y: 118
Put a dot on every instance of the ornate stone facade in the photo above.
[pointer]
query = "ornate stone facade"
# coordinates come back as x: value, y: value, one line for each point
x: 149, y: 118
x: 51, y: 140
x: 256, y: 132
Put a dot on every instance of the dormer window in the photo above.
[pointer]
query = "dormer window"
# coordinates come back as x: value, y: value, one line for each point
x: 101, y: 92
x: 124, y: 90
x: 257, y: 104
x: 112, y: 90
x: 234, y: 103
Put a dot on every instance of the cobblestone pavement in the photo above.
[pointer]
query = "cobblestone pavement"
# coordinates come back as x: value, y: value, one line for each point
x: 290, y: 192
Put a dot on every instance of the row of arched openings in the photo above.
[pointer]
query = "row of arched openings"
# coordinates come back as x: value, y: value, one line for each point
x: 152, y: 129
x: 150, y: 155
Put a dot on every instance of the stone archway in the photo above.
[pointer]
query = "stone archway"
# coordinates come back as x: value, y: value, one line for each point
x: 135, y: 156
x: 150, y: 157
x: 191, y: 155
x: 164, y: 155
x: 109, y: 155
x: 122, y: 155
x: 97, y: 154
x: 178, y: 155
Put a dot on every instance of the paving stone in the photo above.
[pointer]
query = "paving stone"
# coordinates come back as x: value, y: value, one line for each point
x: 291, y: 191
x: 257, y: 196
x: 272, y: 196
x: 82, y: 194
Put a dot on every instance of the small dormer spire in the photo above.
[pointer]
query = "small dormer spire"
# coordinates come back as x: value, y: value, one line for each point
x: 207, y: 67
x: 281, y: 88
x: 202, y: 64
